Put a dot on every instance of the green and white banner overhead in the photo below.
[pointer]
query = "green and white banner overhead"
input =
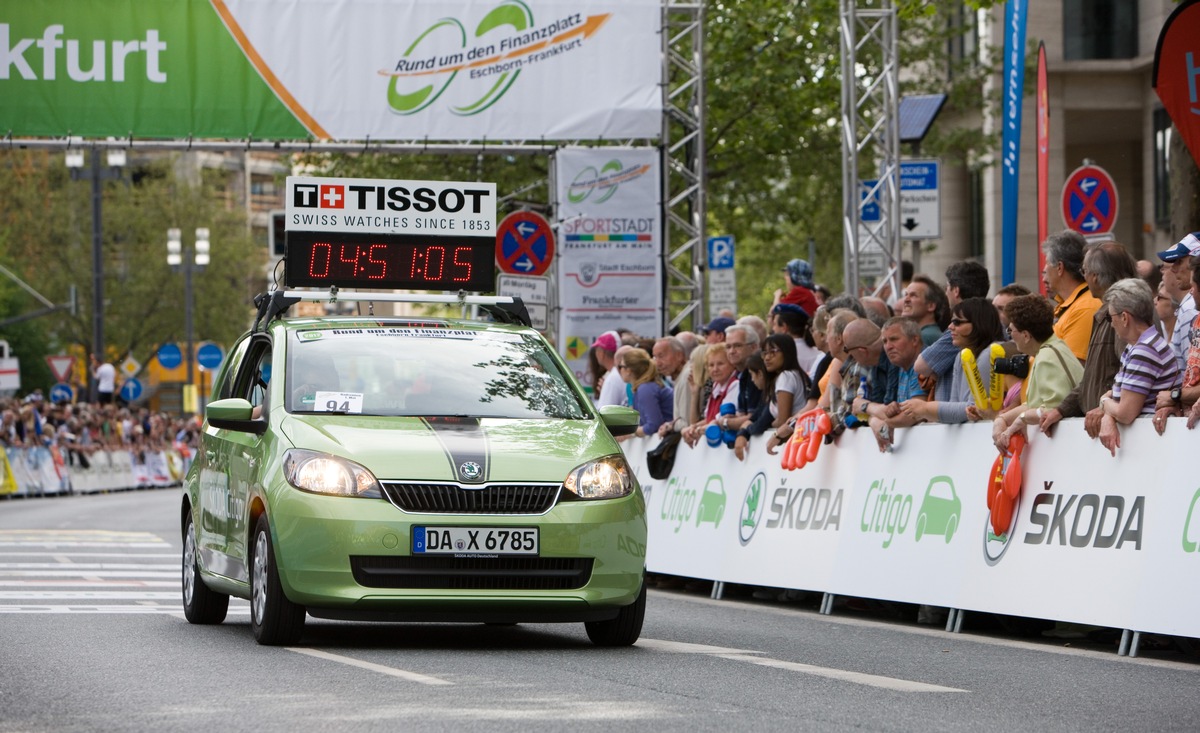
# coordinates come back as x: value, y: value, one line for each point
x: 381, y: 70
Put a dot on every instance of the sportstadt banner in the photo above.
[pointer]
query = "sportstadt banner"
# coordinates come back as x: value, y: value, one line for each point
x: 609, y: 211
x: 342, y: 70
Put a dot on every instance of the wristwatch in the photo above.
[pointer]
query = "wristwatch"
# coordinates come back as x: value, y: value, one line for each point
x: 1177, y: 395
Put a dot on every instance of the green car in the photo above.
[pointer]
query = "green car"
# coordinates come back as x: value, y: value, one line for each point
x: 410, y: 469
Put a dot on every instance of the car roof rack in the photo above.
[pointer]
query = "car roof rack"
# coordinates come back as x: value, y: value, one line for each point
x: 502, y: 308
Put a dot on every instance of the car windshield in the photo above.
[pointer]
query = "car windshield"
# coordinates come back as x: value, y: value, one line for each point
x: 426, y: 371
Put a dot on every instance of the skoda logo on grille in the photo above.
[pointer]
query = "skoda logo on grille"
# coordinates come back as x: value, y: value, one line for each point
x: 470, y: 470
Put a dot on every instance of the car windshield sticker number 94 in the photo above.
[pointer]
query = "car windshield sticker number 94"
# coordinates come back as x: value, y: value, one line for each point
x: 475, y: 541
x: 347, y: 402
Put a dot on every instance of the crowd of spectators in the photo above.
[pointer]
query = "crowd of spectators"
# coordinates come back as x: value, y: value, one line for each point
x: 1105, y: 344
x: 81, y: 429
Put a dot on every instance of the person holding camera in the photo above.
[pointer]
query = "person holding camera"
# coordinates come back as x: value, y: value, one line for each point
x: 1055, y: 370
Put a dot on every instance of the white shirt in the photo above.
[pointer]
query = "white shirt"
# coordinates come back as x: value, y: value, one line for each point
x: 612, y: 392
x: 106, y: 378
x: 1185, y: 315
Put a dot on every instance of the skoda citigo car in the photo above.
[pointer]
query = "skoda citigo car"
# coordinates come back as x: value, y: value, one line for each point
x: 410, y: 469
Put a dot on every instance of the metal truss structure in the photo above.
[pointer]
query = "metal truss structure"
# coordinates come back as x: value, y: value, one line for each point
x: 681, y: 155
x: 870, y: 142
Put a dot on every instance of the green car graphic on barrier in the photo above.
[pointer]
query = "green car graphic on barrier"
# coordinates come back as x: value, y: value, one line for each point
x: 409, y: 469
x: 940, y: 509
x: 712, y: 502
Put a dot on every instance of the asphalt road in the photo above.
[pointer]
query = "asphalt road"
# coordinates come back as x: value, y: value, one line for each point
x: 92, y: 638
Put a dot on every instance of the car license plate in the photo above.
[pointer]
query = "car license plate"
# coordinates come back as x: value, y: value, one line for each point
x: 475, y: 541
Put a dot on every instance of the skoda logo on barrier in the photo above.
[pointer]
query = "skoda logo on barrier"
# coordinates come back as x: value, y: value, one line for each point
x: 994, y: 547
x: 752, y: 508
x: 470, y: 470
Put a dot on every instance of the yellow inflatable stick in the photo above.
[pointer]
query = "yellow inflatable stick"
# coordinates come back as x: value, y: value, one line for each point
x: 996, y: 387
x: 971, y: 372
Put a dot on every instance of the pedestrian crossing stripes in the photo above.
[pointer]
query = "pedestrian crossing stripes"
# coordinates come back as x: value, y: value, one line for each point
x: 64, y: 571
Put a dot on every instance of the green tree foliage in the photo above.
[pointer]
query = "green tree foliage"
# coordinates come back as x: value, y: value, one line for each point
x: 46, y: 239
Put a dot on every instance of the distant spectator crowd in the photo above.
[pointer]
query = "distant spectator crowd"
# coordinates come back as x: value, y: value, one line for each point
x: 81, y: 429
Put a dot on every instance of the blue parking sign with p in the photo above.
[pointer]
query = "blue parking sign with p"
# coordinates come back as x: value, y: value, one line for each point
x: 720, y: 253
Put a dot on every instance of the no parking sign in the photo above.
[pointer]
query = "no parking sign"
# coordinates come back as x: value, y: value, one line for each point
x: 1089, y: 200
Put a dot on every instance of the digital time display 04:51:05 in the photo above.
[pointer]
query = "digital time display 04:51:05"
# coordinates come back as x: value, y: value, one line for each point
x: 390, y: 261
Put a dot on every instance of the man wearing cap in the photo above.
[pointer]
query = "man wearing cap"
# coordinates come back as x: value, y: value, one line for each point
x: 714, y: 332
x: 1177, y: 279
x: 1185, y: 399
x: 799, y: 279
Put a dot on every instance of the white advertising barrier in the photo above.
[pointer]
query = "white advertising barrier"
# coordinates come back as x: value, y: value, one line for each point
x: 38, y: 472
x: 1095, y: 539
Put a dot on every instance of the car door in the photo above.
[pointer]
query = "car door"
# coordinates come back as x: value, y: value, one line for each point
x: 245, y: 448
x: 213, y: 478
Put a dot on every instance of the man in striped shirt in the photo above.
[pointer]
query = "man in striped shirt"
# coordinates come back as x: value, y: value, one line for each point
x: 1148, y: 365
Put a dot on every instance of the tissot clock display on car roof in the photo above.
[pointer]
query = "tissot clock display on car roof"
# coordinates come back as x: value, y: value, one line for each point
x: 390, y: 234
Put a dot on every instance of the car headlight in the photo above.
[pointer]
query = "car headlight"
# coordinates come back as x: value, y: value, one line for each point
x: 605, y: 478
x: 321, y: 473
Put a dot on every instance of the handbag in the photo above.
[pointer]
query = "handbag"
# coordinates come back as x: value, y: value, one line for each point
x: 661, y: 458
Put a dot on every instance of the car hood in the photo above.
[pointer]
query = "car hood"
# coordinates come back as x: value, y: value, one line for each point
x: 442, y: 449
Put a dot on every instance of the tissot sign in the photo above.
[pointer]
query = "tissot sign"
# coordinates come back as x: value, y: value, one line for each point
x: 365, y: 232
x: 399, y: 207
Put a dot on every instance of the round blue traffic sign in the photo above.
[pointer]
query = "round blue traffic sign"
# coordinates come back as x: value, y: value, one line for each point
x: 61, y: 393
x: 131, y: 390
x: 209, y: 355
x: 170, y: 356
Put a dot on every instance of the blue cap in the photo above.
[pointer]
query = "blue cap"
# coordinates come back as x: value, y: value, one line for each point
x: 801, y: 272
x: 720, y: 323
x: 1189, y: 246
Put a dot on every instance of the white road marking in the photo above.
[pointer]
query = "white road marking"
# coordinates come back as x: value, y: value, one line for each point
x: 99, y: 595
x: 88, y: 566
x: 391, y: 671
x: 858, y: 678
x: 89, y: 583
x: 746, y: 655
x: 110, y: 609
x: 90, y: 574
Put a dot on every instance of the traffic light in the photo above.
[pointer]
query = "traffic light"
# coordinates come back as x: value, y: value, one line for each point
x: 277, y: 234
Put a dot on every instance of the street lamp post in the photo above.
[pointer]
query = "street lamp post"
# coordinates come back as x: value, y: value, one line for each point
x: 179, y: 258
x: 116, y: 161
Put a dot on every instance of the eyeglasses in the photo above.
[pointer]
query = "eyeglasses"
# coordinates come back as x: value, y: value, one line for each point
x: 621, y: 366
x: 958, y: 321
x: 732, y: 345
x: 852, y: 349
x: 771, y: 352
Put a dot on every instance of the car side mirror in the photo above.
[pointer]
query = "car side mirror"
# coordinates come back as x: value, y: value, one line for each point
x: 620, y: 420
x: 234, y: 413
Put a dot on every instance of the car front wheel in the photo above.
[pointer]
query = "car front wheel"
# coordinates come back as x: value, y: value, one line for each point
x: 201, y: 605
x: 623, y: 630
x: 274, y: 619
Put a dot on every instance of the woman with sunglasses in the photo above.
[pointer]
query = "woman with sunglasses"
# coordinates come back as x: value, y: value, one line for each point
x: 975, y: 325
x: 786, y: 384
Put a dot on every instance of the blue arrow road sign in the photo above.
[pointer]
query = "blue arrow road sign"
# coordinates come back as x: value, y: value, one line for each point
x: 131, y: 390
x: 61, y: 392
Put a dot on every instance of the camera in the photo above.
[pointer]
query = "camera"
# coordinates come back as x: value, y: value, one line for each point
x: 1016, y: 365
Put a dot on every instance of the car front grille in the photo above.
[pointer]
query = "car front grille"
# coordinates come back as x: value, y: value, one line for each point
x: 455, y: 499
x: 472, y: 573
